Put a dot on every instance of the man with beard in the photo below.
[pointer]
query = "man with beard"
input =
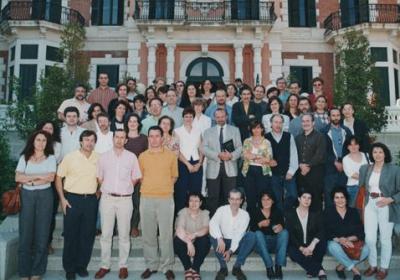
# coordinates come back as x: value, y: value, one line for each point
x: 220, y: 103
x: 78, y: 101
x: 336, y: 136
x: 295, y: 126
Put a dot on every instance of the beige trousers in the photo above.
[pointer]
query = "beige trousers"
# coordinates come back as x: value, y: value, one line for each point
x: 110, y: 208
x: 157, y: 213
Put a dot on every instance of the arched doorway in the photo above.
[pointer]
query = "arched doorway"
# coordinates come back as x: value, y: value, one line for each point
x: 204, y: 68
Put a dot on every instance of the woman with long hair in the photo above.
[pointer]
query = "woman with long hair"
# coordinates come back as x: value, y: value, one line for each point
x: 54, y: 130
x: 206, y: 91
x: 190, y: 93
x: 231, y: 92
x: 122, y: 92
x: 291, y: 106
x: 149, y: 94
x: 121, y: 110
x: 170, y: 140
x: 35, y: 172
x: 93, y: 111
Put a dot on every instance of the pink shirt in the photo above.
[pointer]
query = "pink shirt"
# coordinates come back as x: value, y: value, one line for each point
x: 117, y: 172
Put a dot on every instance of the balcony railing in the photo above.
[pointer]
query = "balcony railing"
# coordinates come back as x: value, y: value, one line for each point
x: 40, y: 10
x: 205, y: 11
x: 373, y: 13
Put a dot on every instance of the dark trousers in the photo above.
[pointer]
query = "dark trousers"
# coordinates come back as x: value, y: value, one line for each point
x: 187, y: 182
x: 136, y: 204
x: 56, y: 202
x: 79, y: 231
x: 312, y: 264
x: 34, y: 228
x: 202, y: 248
x: 331, y: 181
x: 313, y: 182
x: 285, y: 192
x: 218, y: 190
x: 255, y: 183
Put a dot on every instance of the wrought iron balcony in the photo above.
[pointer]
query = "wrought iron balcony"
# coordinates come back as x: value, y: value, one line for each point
x: 204, y: 12
x: 372, y: 13
x: 40, y: 10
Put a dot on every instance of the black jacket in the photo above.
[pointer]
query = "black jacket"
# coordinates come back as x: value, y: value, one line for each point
x: 350, y: 225
x: 315, y: 228
x: 242, y: 120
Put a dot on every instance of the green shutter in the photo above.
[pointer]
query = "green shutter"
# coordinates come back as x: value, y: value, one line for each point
x: 113, y: 74
x: 302, y: 74
x: 27, y: 77
x: 96, y: 11
x: 383, y: 85
x: 311, y: 14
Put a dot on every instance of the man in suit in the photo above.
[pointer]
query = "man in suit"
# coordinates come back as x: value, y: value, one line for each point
x: 222, y: 166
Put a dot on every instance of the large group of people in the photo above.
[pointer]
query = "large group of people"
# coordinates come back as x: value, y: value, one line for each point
x: 189, y: 168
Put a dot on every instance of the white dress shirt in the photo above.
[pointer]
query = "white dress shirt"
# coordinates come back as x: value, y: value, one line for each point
x: 189, y: 142
x: 70, y: 140
x: 293, y: 160
x: 104, y: 142
x: 350, y: 167
x: 224, y: 225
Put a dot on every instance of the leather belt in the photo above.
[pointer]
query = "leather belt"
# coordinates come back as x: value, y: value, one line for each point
x: 119, y: 195
x: 375, y: 195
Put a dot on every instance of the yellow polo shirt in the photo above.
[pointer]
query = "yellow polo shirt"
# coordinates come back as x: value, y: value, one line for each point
x: 158, y: 170
x: 79, y: 172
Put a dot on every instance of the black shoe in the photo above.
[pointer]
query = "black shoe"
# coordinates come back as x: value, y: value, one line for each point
x: 83, y: 272
x: 237, y: 271
x: 270, y: 273
x: 222, y: 273
x: 70, y: 276
x: 278, y: 272
x: 357, y: 277
x: 340, y: 274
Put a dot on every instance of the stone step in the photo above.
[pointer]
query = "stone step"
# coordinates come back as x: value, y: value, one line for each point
x: 136, y: 262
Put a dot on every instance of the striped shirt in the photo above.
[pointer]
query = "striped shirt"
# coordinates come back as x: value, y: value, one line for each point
x: 102, y: 96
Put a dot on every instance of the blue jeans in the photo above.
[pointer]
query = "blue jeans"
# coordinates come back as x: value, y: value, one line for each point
x: 272, y: 243
x: 336, y: 250
x: 284, y: 188
x: 352, y: 191
x: 246, y: 246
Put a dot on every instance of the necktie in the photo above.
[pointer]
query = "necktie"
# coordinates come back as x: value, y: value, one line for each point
x: 221, y: 138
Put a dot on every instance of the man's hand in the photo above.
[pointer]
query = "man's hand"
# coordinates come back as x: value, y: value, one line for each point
x: 98, y: 194
x: 221, y: 246
x: 289, y: 176
x: 339, y: 166
x: 64, y: 205
x: 273, y: 163
x: 227, y: 255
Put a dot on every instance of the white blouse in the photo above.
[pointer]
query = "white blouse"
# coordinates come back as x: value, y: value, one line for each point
x: 374, y: 182
x: 350, y: 167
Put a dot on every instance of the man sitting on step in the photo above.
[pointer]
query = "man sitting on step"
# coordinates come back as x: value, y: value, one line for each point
x: 228, y: 230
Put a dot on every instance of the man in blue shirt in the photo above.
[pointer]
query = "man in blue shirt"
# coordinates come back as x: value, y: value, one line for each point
x: 336, y: 136
x: 220, y: 102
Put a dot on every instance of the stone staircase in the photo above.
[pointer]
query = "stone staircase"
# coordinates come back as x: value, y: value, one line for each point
x: 136, y: 260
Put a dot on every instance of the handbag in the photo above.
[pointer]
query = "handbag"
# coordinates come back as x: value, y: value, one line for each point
x: 355, y: 252
x: 11, y: 201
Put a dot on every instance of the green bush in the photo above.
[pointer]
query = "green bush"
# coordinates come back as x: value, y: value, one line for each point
x: 7, y: 167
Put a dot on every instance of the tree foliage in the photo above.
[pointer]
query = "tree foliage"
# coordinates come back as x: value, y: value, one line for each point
x: 7, y: 167
x: 356, y: 80
x: 57, y: 85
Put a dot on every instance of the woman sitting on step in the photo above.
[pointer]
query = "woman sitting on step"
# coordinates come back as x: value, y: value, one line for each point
x: 307, y: 245
x: 192, y: 240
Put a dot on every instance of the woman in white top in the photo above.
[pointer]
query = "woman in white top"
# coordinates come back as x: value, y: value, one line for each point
x: 200, y: 121
x: 382, y: 206
x: 190, y: 160
x: 35, y: 171
x: 351, y: 167
x: 54, y: 130
x: 231, y: 92
x: 275, y: 107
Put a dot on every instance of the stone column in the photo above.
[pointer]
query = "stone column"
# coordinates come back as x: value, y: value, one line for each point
x: 275, y: 61
x: 257, y: 62
x: 238, y: 61
x: 170, y: 62
x: 133, y: 60
x: 151, y: 61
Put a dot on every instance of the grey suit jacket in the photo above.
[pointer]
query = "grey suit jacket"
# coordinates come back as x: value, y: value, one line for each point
x: 211, y: 148
x: 389, y: 184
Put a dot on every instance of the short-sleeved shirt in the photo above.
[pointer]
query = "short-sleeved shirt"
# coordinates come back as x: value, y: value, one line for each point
x: 192, y: 225
x: 102, y: 96
x: 79, y: 172
x: 118, y: 171
x: 158, y: 170
x: 49, y: 165
x: 82, y: 107
x: 70, y: 141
